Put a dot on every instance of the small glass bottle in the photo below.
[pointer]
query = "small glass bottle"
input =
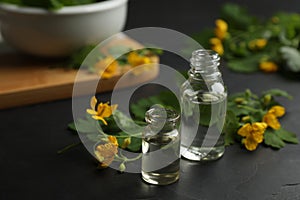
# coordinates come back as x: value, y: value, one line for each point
x: 203, y: 104
x: 161, y: 147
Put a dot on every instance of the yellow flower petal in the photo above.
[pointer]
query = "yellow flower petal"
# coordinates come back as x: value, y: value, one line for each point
x: 261, y: 43
x: 278, y: 111
x: 245, y: 130
x: 109, y: 71
x: 258, y: 136
x: 259, y: 127
x: 219, y: 49
x: 105, y: 153
x: 250, y: 143
x: 93, y: 102
x: 104, y: 63
x: 257, y: 44
x: 268, y: 66
x: 100, y: 118
x: 215, y: 41
x: 134, y: 59
x: 104, y: 110
x: 221, y: 29
x: 272, y: 121
x: 220, y: 34
x: 221, y: 24
x: 253, y: 133
x: 113, y: 140
x: 90, y: 111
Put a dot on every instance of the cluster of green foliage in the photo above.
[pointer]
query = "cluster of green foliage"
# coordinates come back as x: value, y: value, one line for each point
x: 250, y: 105
x: 247, y: 107
x: 239, y: 105
x: 281, y: 31
x: 49, y: 4
x: 94, y: 130
x: 78, y: 58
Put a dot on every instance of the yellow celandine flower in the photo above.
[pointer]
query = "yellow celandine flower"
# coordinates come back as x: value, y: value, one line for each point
x: 257, y: 44
x: 105, y: 153
x: 102, y: 111
x: 253, y: 134
x: 221, y: 29
x: 268, y: 66
x: 216, y: 45
x: 107, y: 67
x: 134, y: 59
x: 113, y: 140
x: 270, y: 117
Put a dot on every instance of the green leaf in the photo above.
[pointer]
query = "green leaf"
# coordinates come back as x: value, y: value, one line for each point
x: 135, y: 144
x: 94, y: 137
x: 256, y: 116
x: 77, y: 58
x: 237, y: 16
x: 166, y: 99
x: 245, y: 65
x: 85, y: 126
x: 55, y: 5
x: 245, y: 103
x: 230, y: 128
x: 287, y: 136
x: 49, y: 4
x: 204, y: 36
x: 126, y: 122
x: 238, y: 111
x: 272, y: 139
x: 72, y: 126
x: 292, y: 58
x: 17, y: 2
x: 118, y: 50
x: 278, y: 92
x: 289, y: 24
x: 76, y: 2
x: 139, y: 108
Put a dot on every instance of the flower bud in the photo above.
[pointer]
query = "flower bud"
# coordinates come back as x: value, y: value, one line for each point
x: 239, y: 100
x: 122, y: 167
x: 267, y: 99
x: 126, y: 142
x: 246, y: 118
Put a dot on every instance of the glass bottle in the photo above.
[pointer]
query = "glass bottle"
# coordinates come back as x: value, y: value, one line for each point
x: 161, y: 147
x: 203, y: 104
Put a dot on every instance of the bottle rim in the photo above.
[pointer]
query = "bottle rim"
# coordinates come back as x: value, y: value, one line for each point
x: 161, y: 114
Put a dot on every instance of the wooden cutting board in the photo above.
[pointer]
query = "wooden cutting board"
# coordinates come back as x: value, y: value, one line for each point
x: 25, y: 80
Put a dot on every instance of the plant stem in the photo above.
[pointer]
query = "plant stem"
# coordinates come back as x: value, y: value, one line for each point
x: 249, y: 108
x: 69, y: 147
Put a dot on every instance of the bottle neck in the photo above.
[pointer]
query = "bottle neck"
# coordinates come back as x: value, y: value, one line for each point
x: 204, y: 65
x: 162, y: 119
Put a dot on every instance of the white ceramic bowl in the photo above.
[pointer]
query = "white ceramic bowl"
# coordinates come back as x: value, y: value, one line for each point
x: 58, y: 33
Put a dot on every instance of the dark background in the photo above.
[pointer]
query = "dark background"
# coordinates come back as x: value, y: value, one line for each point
x: 31, y: 135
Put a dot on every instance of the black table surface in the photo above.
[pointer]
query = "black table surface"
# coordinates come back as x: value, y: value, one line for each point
x: 31, y: 135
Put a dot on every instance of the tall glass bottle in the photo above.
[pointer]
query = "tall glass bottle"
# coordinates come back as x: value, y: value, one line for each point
x: 161, y: 147
x: 203, y: 104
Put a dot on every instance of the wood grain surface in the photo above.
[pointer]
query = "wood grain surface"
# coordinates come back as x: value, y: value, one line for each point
x: 26, y: 80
